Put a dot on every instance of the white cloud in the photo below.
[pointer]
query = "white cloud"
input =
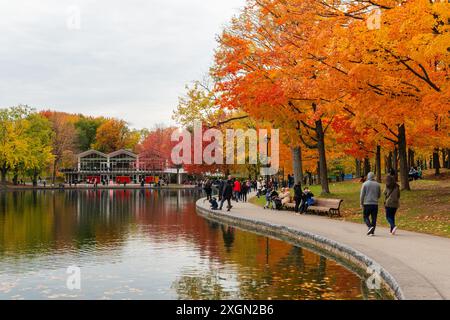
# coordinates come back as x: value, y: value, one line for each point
x: 130, y: 59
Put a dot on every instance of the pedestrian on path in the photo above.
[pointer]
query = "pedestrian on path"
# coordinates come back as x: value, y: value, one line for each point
x: 244, y: 192
x: 208, y: 189
x: 370, y: 195
x: 237, y: 190
x: 392, y: 202
x: 227, y: 194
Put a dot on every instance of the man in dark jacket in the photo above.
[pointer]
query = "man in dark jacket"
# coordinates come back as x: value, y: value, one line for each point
x: 221, y: 187
x: 227, y: 194
x: 297, y: 196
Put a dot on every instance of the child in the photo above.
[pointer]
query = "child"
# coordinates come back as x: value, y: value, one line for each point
x: 269, y: 197
x: 214, y: 204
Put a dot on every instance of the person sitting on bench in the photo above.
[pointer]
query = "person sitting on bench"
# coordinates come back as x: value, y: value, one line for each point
x: 413, y: 174
x: 307, y: 200
x: 285, y: 197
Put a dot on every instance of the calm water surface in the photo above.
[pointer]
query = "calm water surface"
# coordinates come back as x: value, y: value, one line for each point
x: 150, y: 245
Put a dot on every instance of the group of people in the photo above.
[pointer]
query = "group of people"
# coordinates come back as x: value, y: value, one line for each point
x: 303, y: 198
x: 230, y: 189
x: 415, y: 173
x: 370, y: 196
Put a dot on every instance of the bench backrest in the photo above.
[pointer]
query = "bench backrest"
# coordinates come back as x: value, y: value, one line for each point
x: 329, y: 203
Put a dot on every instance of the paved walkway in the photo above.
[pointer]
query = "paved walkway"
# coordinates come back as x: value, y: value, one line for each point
x: 419, y: 263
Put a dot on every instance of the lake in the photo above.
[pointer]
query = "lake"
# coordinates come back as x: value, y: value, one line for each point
x: 150, y: 244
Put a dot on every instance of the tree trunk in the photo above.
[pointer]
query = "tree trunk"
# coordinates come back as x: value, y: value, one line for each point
x: 55, y: 165
x: 358, y: 168
x: 443, y: 158
x: 318, y: 173
x: 378, y: 164
x: 395, y: 162
x: 411, y: 158
x: 4, y: 171
x: 402, y: 153
x: 322, y: 157
x: 388, y: 163
x: 366, y: 166
x: 34, y: 178
x: 448, y: 158
x: 297, y: 164
x: 436, y: 162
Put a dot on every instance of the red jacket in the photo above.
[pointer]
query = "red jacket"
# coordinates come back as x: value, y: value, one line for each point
x: 237, y: 186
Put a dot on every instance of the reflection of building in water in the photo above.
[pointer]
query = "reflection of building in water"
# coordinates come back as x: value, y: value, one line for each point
x: 122, y: 166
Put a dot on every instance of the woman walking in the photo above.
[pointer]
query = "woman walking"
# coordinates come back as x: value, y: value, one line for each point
x: 392, y: 201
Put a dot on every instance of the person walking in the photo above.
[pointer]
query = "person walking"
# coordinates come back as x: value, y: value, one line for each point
x: 237, y: 190
x: 208, y: 189
x: 259, y: 188
x: 297, y: 196
x: 221, y: 187
x: 392, y: 202
x: 244, y: 191
x: 370, y: 195
x: 227, y: 194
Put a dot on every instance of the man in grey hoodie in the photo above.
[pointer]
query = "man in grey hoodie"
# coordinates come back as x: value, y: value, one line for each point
x: 370, y: 195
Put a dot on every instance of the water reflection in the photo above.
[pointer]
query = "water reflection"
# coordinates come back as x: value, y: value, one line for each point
x: 150, y: 244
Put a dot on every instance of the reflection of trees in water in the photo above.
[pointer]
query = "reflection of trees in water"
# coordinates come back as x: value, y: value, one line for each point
x: 205, y: 286
x: 103, y: 220
x: 47, y: 219
x: 294, y: 276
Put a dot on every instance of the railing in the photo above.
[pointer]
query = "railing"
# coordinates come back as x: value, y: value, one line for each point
x: 109, y: 171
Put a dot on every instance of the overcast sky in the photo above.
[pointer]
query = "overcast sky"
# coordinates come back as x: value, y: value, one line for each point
x: 127, y: 59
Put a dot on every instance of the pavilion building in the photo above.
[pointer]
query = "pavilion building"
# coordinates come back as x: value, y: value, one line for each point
x: 122, y: 166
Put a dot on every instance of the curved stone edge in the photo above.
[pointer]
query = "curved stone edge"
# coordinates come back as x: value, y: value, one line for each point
x: 335, y: 248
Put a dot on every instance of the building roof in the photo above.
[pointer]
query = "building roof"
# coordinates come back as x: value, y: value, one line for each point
x: 122, y: 151
x: 89, y: 152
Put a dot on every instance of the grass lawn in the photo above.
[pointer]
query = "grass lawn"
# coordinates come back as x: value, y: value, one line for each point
x: 425, y: 209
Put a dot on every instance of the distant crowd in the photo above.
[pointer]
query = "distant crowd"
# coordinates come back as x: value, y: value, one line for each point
x: 233, y: 189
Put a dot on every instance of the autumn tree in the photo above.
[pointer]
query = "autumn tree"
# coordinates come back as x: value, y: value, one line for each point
x: 113, y: 135
x: 64, y: 137
x: 13, y: 142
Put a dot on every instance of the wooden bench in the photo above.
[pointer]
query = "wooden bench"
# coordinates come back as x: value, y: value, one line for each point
x: 328, y: 206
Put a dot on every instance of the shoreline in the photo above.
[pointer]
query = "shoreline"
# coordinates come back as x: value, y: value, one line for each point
x: 91, y: 188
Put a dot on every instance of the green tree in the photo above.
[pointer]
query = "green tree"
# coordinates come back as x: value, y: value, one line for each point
x: 87, y: 130
x: 39, y: 135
